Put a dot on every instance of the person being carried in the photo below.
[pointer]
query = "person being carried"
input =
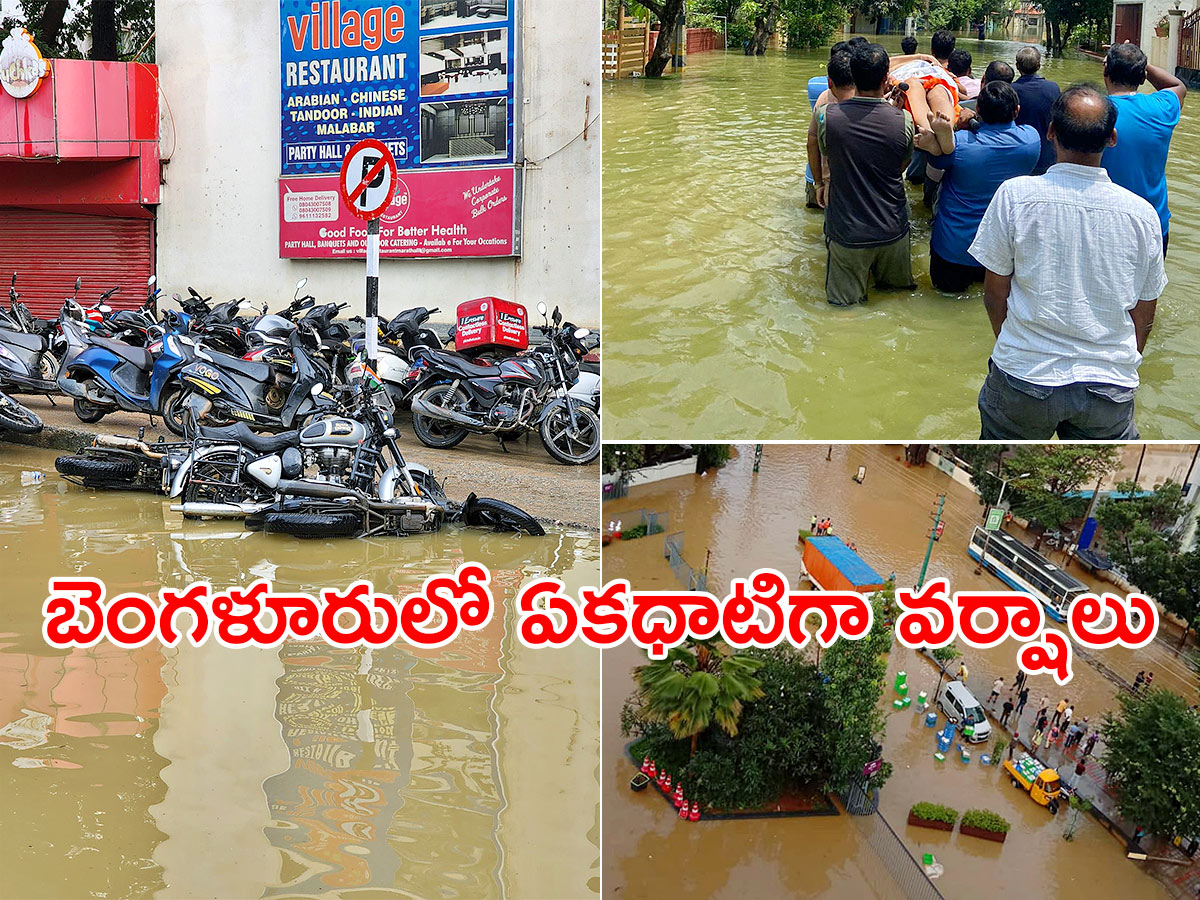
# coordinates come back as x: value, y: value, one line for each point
x: 841, y: 87
x: 981, y: 161
x: 930, y: 86
x: 1074, y: 270
x: 868, y: 142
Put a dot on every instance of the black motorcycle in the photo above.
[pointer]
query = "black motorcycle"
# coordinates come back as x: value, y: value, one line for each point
x: 271, y: 396
x: 15, y: 417
x: 460, y: 396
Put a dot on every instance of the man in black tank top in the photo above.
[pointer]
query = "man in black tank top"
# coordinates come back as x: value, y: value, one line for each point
x: 868, y: 143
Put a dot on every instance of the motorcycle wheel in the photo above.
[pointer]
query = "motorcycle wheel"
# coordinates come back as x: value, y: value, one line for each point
x: 571, y: 446
x: 47, y: 367
x: 87, y: 411
x: 486, y: 512
x: 94, y: 470
x: 435, y: 433
x: 175, y: 410
x: 15, y: 417
x: 312, y: 525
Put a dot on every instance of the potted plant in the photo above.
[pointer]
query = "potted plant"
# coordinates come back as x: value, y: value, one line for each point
x: 932, y: 815
x: 1161, y: 28
x: 983, y: 823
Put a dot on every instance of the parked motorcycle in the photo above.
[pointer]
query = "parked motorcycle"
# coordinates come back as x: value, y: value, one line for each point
x: 515, y: 396
x: 18, y: 418
x: 108, y: 374
x: 221, y: 388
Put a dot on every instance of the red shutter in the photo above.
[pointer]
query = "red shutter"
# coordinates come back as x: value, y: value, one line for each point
x: 49, y: 250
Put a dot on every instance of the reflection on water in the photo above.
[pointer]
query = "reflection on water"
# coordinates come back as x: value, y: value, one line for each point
x: 740, y: 521
x: 714, y: 275
x: 300, y: 771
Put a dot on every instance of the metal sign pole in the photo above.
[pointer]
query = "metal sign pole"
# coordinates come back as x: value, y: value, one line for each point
x: 372, y: 292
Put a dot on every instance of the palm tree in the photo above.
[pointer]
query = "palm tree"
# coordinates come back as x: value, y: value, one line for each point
x: 696, y: 686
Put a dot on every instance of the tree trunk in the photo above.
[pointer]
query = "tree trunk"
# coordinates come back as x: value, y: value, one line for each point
x: 50, y: 24
x: 668, y: 14
x: 764, y: 26
x: 1056, y: 39
x: 695, y: 737
x: 104, y: 30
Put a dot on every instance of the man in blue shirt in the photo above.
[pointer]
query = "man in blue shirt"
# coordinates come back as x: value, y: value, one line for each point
x: 1036, y: 96
x: 1145, y: 123
x: 982, y: 161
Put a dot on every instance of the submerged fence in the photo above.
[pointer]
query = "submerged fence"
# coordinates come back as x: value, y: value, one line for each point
x: 692, y: 579
x: 907, y: 873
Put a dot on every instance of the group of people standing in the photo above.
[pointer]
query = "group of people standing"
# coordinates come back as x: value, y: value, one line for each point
x: 1055, y: 199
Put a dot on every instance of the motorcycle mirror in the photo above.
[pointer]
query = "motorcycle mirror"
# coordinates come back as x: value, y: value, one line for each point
x: 151, y: 280
x: 541, y: 307
x: 175, y: 296
x: 581, y: 333
x: 14, y: 281
x: 78, y: 284
x: 299, y: 284
x: 317, y: 389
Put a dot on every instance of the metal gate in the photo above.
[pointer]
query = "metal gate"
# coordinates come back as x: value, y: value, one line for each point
x: 49, y: 250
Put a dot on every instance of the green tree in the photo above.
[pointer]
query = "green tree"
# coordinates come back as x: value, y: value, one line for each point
x: 701, y: 684
x: 1052, y: 472
x: 711, y: 455
x: 811, y: 23
x: 622, y: 457
x: 114, y: 29
x: 985, y: 461
x: 855, y: 671
x: 1143, y: 536
x: 1152, y: 756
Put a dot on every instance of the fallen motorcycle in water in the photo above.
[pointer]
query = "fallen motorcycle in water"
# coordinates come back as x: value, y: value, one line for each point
x: 18, y: 418
x: 333, y: 478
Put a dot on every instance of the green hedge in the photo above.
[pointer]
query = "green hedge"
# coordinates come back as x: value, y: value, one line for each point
x: 986, y: 820
x: 935, y: 812
x: 636, y: 531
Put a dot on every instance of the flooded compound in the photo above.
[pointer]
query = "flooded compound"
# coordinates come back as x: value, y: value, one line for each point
x: 714, y: 274
x: 738, y: 521
x: 301, y: 771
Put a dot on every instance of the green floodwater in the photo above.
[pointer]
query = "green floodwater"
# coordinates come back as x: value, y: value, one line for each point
x: 716, y: 324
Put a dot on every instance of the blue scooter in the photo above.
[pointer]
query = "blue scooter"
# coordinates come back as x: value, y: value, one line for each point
x: 105, y: 375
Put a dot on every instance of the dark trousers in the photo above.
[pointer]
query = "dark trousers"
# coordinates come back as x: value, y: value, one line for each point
x: 1013, y: 409
x: 952, y: 278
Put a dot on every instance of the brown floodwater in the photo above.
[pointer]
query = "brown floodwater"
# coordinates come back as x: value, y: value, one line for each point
x: 716, y: 323
x: 301, y: 771
x: 740, y: 521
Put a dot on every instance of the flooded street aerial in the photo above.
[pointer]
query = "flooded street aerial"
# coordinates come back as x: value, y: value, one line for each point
x: 735, y: 520
x: 302, y: 771
x: 714, y: 275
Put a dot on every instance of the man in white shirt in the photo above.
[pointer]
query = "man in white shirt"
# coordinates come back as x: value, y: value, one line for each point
x: 1074, y: 270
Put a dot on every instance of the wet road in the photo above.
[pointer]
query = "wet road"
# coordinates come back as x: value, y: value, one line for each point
x: 743, y: 521
x: 306, y: 771
x: 717, y: 325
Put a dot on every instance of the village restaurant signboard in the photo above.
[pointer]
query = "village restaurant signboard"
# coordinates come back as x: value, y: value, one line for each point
x: 434, y: 81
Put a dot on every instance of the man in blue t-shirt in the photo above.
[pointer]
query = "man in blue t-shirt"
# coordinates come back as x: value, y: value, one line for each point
x: 1036, y: 95
x: 817, y: 85
x: 982, y: 161
x: 1145, y: 123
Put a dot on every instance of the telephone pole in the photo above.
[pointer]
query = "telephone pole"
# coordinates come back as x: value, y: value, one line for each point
x: 757, y: 456
x: 937, y: 517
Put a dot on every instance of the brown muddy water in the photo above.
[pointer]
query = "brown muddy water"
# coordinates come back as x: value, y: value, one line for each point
x: 297, y: 772
x: 716, y: 322
x: 743, y: 521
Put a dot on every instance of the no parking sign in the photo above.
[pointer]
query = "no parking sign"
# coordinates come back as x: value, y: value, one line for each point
x: 368, y: 180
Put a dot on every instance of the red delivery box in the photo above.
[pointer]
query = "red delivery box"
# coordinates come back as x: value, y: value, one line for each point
x: 491, y: 322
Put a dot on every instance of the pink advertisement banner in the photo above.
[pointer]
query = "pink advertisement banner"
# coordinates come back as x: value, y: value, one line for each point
x: 448, y: 213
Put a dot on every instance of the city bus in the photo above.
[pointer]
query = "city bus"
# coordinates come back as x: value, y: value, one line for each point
x: 1024, y: 569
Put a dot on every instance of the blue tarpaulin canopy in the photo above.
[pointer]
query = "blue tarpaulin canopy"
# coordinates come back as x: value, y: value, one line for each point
x: 849, y: 563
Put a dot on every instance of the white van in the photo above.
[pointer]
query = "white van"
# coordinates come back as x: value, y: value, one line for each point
x: 959, y: 705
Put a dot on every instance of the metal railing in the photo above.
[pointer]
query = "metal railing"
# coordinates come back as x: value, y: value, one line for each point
x: 692, y: 579
x: 907, y: 873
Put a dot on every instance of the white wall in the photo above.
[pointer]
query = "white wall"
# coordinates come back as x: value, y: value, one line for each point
x: 218, y: 221
x: 660, y: 472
